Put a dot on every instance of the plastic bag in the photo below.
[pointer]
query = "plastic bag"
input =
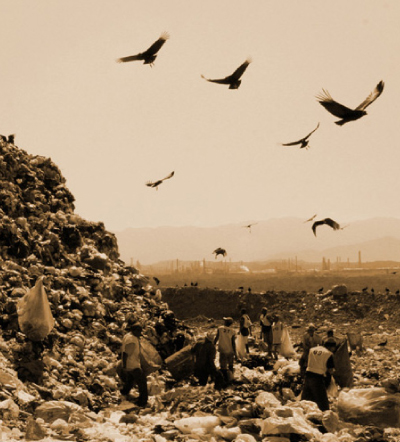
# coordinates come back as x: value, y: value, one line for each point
x: 34, y: 315
x: 370, y: 406
x: 343, y: 371
x: 332, y: 390
x: 150, y: 359
x: 287, y: 349
x: 240, y: 347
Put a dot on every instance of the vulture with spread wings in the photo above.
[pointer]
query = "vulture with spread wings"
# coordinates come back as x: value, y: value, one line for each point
x: 149, y: 55
x: 219, y: 251
x: 344, y: 113
x: 303, y: 142
x: 158, y: 182
x: 328, y: 221
x: 233, y: 80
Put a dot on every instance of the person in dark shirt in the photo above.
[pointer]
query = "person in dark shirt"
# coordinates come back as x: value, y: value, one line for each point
x: 204, y: 359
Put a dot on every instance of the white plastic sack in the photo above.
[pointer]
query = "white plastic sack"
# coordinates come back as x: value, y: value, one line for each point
x: 191, y: 424
x: 267, y: 399
x: 34, y: 315
x: 240, y: 347
x: 332, y: 390
x: 150, y: 359
x: 287, y: 349
x: 370, y: 406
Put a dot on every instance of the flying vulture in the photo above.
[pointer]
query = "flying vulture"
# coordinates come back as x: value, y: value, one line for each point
x: 158, y: 182
x: 328, y: 221
x: 234, y: 79
x: 150, y: 54
x: 344, y: 113
x: 249, y: 226
x: 219, y: 251
x: 304, y: 141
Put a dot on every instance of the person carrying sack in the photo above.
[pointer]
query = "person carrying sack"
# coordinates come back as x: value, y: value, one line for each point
x: 130, y: 369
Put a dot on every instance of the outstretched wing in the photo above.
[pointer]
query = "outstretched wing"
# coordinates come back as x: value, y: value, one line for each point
x: 129, y: 58
x: 330, y: 222
x: 156, y: 46
x: 293, y: 143
x: 225, y: 80
x: 310, y: 219
x: 315, y: 225
x: 153, y: 184
x: 333, y: 106
x: 372, y: 96
x: 301, y: 140
x: 240, y: 70
x: 309, y: 135
x: 168, y: 176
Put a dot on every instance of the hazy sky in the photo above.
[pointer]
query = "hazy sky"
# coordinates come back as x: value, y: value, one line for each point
x: 111, y: 127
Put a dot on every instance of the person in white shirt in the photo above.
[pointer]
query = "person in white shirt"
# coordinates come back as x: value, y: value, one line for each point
x: 130, y: 369
x: 320, y: 367
x: 226, y: 347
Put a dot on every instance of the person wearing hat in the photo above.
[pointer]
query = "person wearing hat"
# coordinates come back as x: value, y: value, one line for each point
x: 130, y: 369
x: 309, y: 340
x: 226, y: 347
x: 204, y: 358
x: 320, y: 367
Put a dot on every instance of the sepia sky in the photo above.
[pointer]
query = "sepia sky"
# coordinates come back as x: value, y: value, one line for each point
x: 111, y: 127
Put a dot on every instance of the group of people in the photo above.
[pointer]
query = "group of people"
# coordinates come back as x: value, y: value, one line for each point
x: 316, y: 362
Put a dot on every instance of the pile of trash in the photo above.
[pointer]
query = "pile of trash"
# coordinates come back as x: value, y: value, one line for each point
x: 59, y: 382
x: 297, y: 307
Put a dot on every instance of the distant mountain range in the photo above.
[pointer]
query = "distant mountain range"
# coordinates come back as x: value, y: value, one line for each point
x: 377, y: 239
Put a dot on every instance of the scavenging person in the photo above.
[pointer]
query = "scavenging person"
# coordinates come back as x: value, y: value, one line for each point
x: 310, y: 339
x: 204, y: 359
x: 245, y: 328
x: 227, y: 348
x: 266, y: 329
x: 277, y: 330
x: 320, y: 368
x: 130, y: 369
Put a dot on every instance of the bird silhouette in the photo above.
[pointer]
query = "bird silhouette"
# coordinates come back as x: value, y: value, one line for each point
x: 320, y: 290
x: 387, y: 290
x: 328, y: 221
x: 397, y: 292
x: 158, y: 182
x: 310, y: 219
x: 364, y: 289
x: 150, y: 54
x: 219, y: 251
x: 233, y: 80
x: 383, y: 343
x: 344, y: 113
x: 372, y: 290
x: 157, y: 281
x: 303, y: 141
x: 249, y: 226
